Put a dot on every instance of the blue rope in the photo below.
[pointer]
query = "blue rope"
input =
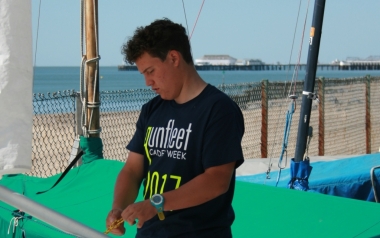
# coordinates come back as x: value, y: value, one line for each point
x: 288, y: 122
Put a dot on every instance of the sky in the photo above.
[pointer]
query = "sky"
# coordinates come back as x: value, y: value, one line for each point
x: 244, y: 29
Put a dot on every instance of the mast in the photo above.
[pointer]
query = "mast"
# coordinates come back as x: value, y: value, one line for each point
x: 92, y: 68
x: 308, y: 88
x: 16, y: 109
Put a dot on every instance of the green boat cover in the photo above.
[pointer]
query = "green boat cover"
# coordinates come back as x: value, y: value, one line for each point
x: 85, y: 194
x: 92, y: 148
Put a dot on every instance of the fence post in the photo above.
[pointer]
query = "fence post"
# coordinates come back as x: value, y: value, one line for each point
x: 78, y: 129
x: 321, y: 120
x: 78, y: 114
x: 264, y: 118
x: 368, y: 114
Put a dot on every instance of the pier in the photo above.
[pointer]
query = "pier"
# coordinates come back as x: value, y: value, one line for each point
x: 274, y: 67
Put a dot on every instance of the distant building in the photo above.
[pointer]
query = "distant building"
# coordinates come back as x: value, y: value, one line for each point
x: 371, y: 60
x: 249, y: 62
x: 215, y: 60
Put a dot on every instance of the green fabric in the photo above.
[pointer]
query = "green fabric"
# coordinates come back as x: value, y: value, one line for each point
x: 85, y: 194
x: 92, y: 148
x: 267, y: 211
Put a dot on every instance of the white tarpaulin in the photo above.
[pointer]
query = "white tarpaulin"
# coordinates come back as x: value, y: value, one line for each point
x: 16, y: 84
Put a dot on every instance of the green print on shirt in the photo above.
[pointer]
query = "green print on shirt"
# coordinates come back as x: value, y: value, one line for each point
x: 164, y: 141
x: 161, y: 141
x: 146, y: 144
x: 154, y: 180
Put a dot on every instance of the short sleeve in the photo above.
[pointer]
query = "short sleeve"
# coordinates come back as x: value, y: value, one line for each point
x: 222, y: 141
x: 137, y: 142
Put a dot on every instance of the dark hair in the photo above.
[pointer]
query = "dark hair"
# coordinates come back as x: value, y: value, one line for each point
x: 158, y: 39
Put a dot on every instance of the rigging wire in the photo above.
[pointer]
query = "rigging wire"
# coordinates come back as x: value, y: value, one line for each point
x: 199, y: 13
x: 292, y: 97
x: 34, y: 65
x: 187, y: 27
x: 278, y: 118
x: 184, y: 12
x: 294, y: 37
x: 38, y: 27
x: 300, y: 51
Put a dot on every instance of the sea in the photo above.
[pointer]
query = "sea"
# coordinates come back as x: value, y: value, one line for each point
x: 54, y: 79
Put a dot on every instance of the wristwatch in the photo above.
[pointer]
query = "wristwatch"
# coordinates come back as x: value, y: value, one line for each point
x: 157, y: 200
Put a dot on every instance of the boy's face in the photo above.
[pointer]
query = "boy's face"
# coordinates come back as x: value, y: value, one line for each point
x: 161, y: 75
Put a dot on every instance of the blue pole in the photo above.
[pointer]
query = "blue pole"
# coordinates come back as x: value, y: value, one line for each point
x: 308, y: 88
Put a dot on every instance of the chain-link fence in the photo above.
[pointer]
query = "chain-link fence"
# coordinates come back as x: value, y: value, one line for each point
x: 344, y: 121
x: 53, y: 132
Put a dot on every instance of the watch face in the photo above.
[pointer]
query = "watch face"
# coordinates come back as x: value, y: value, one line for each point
x: 156, y: 199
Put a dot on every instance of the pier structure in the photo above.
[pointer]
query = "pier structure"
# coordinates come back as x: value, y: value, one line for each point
x: 276, y: 67
x: 228, y: 63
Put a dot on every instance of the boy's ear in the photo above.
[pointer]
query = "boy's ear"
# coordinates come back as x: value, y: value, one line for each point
x: 174, y: 57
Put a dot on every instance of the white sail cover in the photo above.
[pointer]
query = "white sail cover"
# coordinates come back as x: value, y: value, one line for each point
x: 16, y: 84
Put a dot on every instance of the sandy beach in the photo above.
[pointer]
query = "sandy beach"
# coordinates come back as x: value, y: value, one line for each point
x: 344, y: 124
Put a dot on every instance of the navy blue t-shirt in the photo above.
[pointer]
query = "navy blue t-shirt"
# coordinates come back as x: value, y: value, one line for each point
x: 179, y: 142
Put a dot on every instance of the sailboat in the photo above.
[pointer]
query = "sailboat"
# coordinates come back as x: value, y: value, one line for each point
x: 15, y: 143
x: 350, y: 177
x: 78, y: 205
